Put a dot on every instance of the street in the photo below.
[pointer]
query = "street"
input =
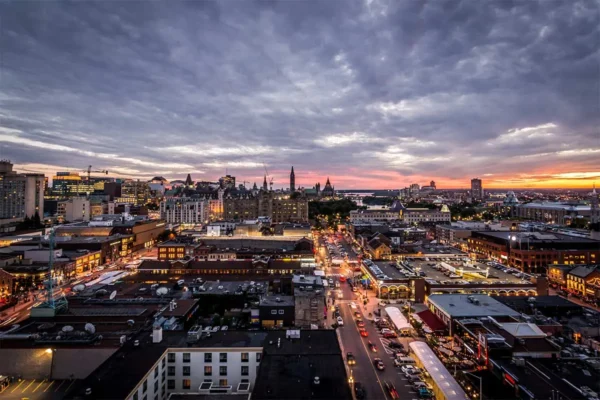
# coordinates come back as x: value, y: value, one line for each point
x: 364, y: 371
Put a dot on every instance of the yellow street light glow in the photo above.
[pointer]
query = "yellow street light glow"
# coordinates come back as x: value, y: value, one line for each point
x: 48, y: 351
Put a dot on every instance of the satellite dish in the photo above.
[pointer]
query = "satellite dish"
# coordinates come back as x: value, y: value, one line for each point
x: 67, y: 328
x: 162, y: 291
x: 90, y: 328
x: 79, y: 288
x: 113, y: 295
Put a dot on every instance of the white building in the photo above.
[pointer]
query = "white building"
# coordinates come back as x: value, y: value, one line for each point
x: 426, y: 216
x: 184, y: 211
x: 373, y: 215
x: 74, y: 209
x: 220, y: 228
x: 22, y: 194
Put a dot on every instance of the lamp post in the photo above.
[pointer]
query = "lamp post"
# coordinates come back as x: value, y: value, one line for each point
x: 351, y: 382
x: 480, y: 384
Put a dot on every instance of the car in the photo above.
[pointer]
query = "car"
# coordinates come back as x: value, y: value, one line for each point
x: 350, y: 358
x: 363, y: 332
x: 391, y: 389
x: 359, y: 391
x: 385, y: 330
x: 395, y: 345
x: 424, y: 393
x: 337, y: 314
x: 409, y: 368
x: 353, y: 305
x: 390, y: 335
x: 378, y: 364
x: 413, y: 378
x: 372, y: 346
x: 340, y: 321
x: 360, y: 323
x: 357, y: 314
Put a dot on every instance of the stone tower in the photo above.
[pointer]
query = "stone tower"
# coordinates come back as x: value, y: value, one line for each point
x: 292, y: 181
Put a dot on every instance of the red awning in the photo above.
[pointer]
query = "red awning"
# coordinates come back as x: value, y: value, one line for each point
x: 432, y: 321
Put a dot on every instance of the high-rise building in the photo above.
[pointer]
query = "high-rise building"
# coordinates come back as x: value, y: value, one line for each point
x: 476, y: 189
x: 227, y: 182
x: 594, y: 207
x: 22, y: 195
x: 135, y: 192
x: 292, y: 181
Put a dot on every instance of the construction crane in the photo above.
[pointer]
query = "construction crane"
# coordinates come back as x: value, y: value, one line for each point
x: 270, y: 177
x: 90, y: 170
x: 244, y: 183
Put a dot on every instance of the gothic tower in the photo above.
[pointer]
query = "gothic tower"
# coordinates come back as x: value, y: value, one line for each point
x: 265, y: 187
x: 292, y: 181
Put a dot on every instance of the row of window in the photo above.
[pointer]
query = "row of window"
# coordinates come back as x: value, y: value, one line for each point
x: 208, y: 370
x: 209, y: 356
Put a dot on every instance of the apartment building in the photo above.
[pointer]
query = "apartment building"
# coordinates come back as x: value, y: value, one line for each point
x: 185, y: 210
x: 22, y: 194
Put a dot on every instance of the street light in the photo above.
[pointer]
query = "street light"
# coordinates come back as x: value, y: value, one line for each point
x: 480, y: 383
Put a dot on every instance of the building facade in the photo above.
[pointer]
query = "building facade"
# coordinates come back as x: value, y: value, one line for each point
x: 22, y: 194
x: 476, y: 189
x: 74, y: 209
x: 184, y: 210
x: 276, y: 206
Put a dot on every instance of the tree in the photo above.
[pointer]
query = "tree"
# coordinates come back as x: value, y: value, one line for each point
x: 37, y: 223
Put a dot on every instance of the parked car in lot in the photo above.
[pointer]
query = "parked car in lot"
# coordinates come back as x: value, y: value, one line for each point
x: 390, y: 335
x: 378, y: 364
x: 395, y: 345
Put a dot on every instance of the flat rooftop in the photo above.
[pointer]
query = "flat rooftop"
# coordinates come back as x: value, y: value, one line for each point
x: 268, y: 301
x: 388, y: 269
x: 535, y: 237
x: 495, y: 276
x: 459, y: 305
x: 118, y: 375
x: 289, y: 367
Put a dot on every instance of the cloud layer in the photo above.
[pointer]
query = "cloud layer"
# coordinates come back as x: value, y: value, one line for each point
x: 374, y: 94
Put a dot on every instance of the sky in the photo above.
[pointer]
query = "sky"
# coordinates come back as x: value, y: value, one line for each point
x: 373, y: 94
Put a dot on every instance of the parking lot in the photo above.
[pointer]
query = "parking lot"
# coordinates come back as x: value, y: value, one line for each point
x: 475, y: 272
x: 37, y: 389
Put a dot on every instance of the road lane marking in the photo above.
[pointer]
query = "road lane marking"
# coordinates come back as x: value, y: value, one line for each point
x: 20, y: 383
x: 38, y: 386
x: 68, y: 387
x: 28, y: 386
x: 51, y: 383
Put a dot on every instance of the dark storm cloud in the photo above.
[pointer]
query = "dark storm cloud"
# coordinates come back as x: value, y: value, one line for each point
x: 443, y: 89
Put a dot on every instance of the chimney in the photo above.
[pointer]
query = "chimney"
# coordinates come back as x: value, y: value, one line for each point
x: 157, y: 333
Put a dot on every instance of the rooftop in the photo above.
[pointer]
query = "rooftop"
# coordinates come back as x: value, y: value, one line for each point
x: 289, y: 367
x: 276, y: 301
x: 461, y: 305
x: 118, y: 375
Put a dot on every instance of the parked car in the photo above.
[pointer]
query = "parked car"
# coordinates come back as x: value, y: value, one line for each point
x: 390, y: 335
x: 340, y: 321
x: 395, y: 345
x: 360, y: 391
x: 378, y: 364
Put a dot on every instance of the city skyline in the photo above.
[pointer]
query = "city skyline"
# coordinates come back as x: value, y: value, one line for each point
x: 371, y: 95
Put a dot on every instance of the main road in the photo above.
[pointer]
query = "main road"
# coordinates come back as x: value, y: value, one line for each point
x: 364, y: 371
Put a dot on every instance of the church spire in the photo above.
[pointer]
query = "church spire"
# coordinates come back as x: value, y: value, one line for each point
x: 265, y: 188
x: 292, y: 180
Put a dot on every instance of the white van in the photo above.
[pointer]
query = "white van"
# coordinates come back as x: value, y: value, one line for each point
x: 404, y: 361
